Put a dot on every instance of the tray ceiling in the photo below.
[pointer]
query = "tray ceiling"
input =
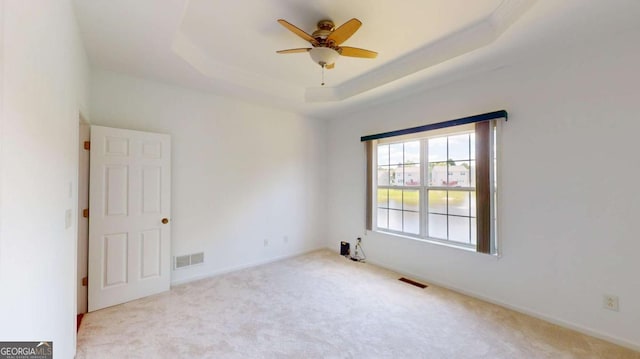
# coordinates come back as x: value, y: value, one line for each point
x: 229, y: 48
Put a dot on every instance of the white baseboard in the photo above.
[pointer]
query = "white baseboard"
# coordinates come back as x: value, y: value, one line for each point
x: 240, y: 267
x: 523, y: 310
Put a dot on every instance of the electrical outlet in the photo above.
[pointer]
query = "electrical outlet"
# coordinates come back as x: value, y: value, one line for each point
x: 266, y: 242
x: 610, y: 302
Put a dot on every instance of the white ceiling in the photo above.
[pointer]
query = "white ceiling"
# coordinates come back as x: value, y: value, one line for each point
x: 228, y: 48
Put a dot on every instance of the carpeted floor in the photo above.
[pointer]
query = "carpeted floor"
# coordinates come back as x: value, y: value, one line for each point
x: 321, y: 305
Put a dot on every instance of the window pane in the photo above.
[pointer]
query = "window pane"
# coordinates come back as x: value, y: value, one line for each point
x: 398, y: 176
x: 395, y: 198
x: 411, y: 200
x: 438, y: 174
x: 395, y: 154
x: 472, y: 209
x: 473, y: 231
x: 438, y: 202
x: 449, y: 180
x: 437, y: 149
x: 459, y: 173
x: 437, y: 226
x: 411, y: 222
x: 383, y: 175
x: 383, y: 197
x: 412, y: 152
x: 459, y: 203
x: 383, y: 155
x: 472, y: 141
x: 459, y: 147
x: 395, y: 175
x: 412, y: 175
x: 472, y: 174
x: 459, y: 229
x: 395, y: 220
x: 382, y: 218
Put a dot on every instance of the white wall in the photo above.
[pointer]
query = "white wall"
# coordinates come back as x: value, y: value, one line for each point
x: 240, y: 173
x: 568, y: 204
x: 44, y: 72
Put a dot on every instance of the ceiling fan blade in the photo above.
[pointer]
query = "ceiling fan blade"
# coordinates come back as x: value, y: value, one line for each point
x: 330, y: 66
x: 345, y: 31
x: 292, y: 51
x: 356, y: 52
x: 298, y: 31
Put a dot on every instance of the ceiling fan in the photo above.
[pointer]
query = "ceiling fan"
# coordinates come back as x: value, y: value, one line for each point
x: 326, y: 42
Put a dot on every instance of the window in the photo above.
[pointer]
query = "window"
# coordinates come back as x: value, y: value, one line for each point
x: 398, y: 192
x: 450, y: 192
x: 437, y: 185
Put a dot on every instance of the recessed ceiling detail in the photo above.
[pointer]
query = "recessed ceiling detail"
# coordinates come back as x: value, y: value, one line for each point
x: 228, y: 48
x: 248, y: 61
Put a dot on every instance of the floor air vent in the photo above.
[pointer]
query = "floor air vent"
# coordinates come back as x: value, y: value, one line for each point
x: 412, y: 282
x: 188, y: 260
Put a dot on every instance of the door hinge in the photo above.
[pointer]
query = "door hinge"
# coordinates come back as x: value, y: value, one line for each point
x: 87, y: 145
x: 85, y: 213
x: 85, y: 281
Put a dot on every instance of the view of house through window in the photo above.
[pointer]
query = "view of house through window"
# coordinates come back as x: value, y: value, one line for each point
x: 426, y: 186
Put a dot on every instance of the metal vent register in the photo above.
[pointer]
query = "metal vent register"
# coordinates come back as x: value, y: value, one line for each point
x: 188, y: 260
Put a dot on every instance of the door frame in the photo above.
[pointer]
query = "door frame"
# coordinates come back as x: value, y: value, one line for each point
x: 82, y: 236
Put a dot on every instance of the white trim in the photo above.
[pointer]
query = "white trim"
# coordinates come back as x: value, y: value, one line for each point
x: 176, y: 282
x: 516, y: 308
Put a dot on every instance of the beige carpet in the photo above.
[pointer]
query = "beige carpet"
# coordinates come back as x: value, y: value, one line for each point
x: 321, y: 305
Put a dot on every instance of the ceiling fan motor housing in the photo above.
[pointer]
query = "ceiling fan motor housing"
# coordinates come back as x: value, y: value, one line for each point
x: 325, y: 27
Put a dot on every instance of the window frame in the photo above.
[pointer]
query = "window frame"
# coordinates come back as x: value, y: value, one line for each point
x: 423, y: 189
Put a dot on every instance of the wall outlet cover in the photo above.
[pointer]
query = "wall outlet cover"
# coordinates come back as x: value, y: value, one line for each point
x: 610, y: 302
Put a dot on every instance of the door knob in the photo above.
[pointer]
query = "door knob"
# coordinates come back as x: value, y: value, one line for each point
x: 165, y: 220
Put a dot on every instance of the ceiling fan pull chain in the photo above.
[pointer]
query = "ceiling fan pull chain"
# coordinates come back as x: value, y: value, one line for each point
x: 323, y: 75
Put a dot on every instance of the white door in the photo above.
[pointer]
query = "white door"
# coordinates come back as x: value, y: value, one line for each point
x: 129, y: 211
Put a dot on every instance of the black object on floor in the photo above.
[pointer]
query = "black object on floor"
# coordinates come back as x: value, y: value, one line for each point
x: 344, y: 248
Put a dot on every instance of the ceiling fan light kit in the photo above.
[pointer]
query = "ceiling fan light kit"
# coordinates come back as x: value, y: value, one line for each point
x: 326, y: 42
x: 323, y: 56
